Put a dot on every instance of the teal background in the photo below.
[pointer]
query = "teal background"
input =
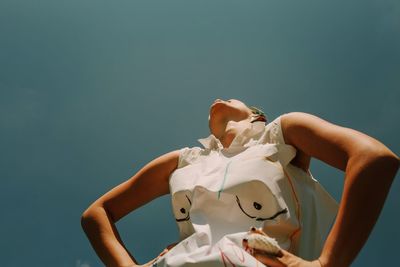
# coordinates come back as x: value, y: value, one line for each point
x: 90, y: 91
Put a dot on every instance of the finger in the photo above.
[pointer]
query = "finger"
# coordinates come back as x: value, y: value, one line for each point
x: 283, y: 252
x: 163, y: 252
x: 148, y: 264
x: 172, y: 245
x: 280, y: 253
x: 268, y: 260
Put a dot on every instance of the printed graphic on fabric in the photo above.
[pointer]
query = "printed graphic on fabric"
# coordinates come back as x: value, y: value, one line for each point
x: 258, y: 206
x: 256, y: 201
x: 182, y: 210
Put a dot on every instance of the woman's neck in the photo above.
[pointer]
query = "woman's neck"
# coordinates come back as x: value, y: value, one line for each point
x: 231, y: 130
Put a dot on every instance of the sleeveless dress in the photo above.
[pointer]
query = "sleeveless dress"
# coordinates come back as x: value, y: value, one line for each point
x: 219, y: 193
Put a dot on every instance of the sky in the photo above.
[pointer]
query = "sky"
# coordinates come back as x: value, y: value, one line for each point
x: 90, y: 91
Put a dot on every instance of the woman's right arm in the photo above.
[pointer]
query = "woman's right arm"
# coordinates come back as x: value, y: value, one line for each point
x: 98, y: 221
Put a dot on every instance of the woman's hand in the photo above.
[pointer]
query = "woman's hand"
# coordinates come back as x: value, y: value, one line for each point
x: 151, y: 262
x: 285, y: 259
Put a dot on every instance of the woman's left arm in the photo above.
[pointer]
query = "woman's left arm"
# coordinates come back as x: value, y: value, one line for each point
x: 369, y: 166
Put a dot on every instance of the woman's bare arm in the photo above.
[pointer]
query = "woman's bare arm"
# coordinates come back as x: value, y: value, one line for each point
x: 98, y: 221
x: 369, y: 166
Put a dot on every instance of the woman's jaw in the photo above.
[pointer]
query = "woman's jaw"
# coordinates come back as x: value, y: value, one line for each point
x: 227, y: 118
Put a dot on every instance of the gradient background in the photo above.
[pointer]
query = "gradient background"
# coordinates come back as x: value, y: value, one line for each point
x: 90, y: 91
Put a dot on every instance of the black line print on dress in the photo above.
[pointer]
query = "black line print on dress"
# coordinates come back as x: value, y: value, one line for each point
x: 183, y: 211
x: 258, y: 206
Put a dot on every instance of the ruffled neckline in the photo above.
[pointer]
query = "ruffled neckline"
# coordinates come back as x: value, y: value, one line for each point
x: 246, y: 138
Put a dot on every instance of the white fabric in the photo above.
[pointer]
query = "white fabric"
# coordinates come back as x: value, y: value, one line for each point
x: 219, y: 193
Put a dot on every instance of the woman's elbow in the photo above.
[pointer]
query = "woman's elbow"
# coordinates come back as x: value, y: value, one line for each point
x: 90, y: 217
x: 375, y: 160
x: 384, y: 160
x: 387, y: 158
x: 390, y: 163
x: 86, y: 218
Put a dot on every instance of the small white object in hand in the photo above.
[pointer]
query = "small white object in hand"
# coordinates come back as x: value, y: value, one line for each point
x: 257, y: 239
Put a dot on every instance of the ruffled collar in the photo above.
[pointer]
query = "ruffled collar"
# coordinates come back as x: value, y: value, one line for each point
x: 245, y: 138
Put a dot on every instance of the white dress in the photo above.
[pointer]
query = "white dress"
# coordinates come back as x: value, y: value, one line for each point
x: 219, y: 193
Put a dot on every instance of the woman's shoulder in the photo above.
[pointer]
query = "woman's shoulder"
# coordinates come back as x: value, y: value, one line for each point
x: 287, y: 122
x: 189, y: 155
x: 273, y: 132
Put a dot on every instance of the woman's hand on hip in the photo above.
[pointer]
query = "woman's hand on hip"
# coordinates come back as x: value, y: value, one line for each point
x: 285, y: 259
x: 151, y: 262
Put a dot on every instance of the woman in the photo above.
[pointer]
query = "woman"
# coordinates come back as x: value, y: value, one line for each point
x: 252, y: 174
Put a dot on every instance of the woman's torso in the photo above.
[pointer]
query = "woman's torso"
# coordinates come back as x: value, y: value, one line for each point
x: 218, y: 194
